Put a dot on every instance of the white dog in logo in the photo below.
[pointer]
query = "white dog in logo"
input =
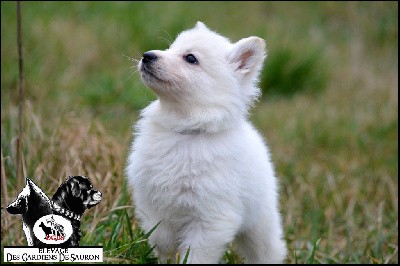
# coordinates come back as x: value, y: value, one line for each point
x: 197, y: 165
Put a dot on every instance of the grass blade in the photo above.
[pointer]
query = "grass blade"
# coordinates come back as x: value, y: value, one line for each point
x: 186, y: 256
x: 152, y: 230
x: 310, y: 259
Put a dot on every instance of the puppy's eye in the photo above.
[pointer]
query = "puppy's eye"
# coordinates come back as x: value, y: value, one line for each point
x: 191, y: 59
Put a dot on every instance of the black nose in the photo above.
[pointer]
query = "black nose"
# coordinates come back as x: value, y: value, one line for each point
x: 149, y: 57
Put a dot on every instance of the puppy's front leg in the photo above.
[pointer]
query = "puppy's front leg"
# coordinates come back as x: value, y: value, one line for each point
x: 163, y: 242
x: 207, y: 240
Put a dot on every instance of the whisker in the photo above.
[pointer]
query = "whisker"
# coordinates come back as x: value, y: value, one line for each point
x: 168, y: 42
x: 133, y: 69
x: 131, y: 58
x: 169, y: 38
x: 139, y: 55
x: 130, y: 75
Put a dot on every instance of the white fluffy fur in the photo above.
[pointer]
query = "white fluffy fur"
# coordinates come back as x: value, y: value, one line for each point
x: 197, y: 165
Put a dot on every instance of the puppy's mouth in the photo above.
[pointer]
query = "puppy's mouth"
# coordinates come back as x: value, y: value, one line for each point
x: 147, y: 73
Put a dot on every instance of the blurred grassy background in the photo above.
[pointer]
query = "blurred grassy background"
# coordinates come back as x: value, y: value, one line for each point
x: 329, y: 112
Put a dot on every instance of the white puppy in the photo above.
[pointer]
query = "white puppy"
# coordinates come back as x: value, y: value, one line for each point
x: 197, y: 165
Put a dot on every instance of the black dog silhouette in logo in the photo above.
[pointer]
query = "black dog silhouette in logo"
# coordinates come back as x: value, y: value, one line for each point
x: 31, y: 204
x: 47, y: 230
x: 71, y: 200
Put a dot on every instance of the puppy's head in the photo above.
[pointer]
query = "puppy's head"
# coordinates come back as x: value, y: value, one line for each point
x: 80, y: 190
x: 202, y: 68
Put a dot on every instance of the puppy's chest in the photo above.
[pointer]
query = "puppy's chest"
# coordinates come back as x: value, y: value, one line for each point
x: 181, y: 170
x: 177, y: 158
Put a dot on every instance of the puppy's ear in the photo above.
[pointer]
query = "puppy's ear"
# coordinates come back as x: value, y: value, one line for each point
x: 200, y: 25
x: 247, y: 56
x: 73, y: 186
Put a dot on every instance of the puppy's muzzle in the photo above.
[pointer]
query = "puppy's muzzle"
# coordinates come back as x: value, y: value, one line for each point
x: 149, y: 57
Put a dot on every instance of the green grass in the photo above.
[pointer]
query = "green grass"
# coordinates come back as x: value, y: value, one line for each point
x: 285, y: 75
x: 329, y: 113
x: 122, y: 240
